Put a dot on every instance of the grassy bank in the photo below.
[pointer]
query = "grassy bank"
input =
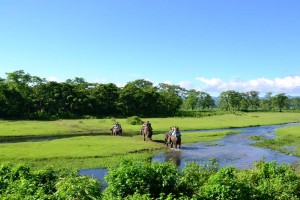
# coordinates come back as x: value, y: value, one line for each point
x: 286, y: 138
x: 92, y: 151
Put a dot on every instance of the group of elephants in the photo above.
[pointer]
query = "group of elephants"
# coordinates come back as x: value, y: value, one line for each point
x: 170, y: 140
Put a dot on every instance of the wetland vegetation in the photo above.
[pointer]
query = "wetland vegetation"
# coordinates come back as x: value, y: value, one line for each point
x: 287, y: 141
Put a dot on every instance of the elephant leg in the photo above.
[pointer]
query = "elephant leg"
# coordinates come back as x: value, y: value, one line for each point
x: 179, y: 143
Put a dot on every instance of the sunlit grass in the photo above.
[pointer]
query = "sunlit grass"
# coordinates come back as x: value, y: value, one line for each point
x: 93, y: 151
x: 77, y: 151
x: 285, y: 137
x: 102, y: 126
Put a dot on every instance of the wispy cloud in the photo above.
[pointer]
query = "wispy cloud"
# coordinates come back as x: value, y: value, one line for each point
x: 100, y: 80
x: 288, y: 85
x: 52, y: 78
x: 186, y: 84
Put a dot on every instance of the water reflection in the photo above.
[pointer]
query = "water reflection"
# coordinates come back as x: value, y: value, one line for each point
x: 98, y: 173
x: 174, y: 156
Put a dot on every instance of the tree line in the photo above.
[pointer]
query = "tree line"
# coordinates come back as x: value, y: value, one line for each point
x: 31, y: 97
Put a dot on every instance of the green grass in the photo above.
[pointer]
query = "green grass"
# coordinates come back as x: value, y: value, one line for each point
x: 93, y: 151
x: 86, y: 150
x: 285, y: 137
x: 102, y: 126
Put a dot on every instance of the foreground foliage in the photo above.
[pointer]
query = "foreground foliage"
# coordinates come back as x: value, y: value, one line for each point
x: 20, y: 182
x: 153, y: 180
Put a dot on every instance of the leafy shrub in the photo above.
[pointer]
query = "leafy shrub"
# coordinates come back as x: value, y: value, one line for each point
x: 225, y: 185
x: 272, y: 181
x: 141, y: 178
x: 19, y: 182
x: 193, y: 176
x: 81, y: 187
x: 134, y: 120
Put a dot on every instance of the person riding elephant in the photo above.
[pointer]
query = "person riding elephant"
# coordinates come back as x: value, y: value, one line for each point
x: 173, y: 138
x: 147, y: 130
x: 116, y: 129
x: 176, y: 132
x: 147, y: 124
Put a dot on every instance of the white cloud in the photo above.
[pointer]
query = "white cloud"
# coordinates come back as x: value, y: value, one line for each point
x: 52, y: 78
x: 119, y: 84
x: 168, y: 82
x: 210, y: 82
x: 288, y: 85
x: 186, y: 84
x: 100, y: 80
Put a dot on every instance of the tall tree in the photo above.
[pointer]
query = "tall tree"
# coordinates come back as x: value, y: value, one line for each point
x: 205, y: 101
x: 230, y: 100
x: 191, y: 100
x: 104, y: 99
x: 171, y: 98
x: 295, y: 103
x: 139, y: 98
x: 280, y: 101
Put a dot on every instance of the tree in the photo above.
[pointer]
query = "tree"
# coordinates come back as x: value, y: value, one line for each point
x: 205, y: 101
x: 254, y: 99
x: 266, y: 102
x: 280, y: 101
x: 230, y: 100
x: 139, y: 98
x: 295, y: 103
x: 170, y: 98
x: 104, y: 99
x: 191, y: 100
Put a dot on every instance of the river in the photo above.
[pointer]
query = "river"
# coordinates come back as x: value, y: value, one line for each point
x: 234, y: 150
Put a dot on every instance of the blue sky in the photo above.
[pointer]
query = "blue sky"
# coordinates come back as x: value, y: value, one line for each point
x: 211, y: 45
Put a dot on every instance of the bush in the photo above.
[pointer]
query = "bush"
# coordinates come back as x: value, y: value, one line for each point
x: 225, y: 185
x: 193, y: 176
x: 81, y: 187
x: 20, y: 182
x: 133, y: 178
x: 134, y: 120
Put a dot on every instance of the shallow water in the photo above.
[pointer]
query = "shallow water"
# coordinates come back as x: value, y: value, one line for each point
x: 234, y: 150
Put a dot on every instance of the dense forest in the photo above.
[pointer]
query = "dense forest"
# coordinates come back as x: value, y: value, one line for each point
x: 23, y: 96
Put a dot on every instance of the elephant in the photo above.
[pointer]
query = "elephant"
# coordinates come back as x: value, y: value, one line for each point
x: 172, y: 141
x: 147, y: 133
x: 116, y: 131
